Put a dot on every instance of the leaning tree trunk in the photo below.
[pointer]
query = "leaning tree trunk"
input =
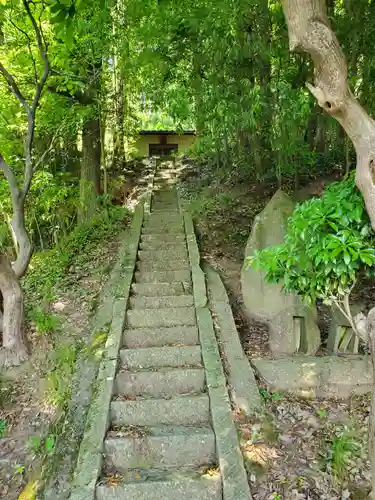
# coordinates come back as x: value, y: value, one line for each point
x: 14, y: 341
x: 310, y: 32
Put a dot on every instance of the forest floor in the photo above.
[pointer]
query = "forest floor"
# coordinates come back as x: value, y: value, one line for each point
x: 303, y: 449
x: 35, y: 395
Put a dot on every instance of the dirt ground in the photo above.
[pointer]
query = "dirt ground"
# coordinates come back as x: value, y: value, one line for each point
x: 29, y: 397
x: 301, y: 449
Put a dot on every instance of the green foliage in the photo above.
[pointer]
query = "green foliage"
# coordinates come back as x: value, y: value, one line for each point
x: 48, y: 268
x: 341, y: 451
x: 3, y: 427
x: 205, y: 203
x: 45, y: 322
x: 40, y: 446
x: 329, y: 244
x: 270, y: 396
x: 62, y: 360
x: 6, y: 391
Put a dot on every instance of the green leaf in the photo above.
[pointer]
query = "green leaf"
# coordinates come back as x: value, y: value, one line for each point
x: 347, y: 257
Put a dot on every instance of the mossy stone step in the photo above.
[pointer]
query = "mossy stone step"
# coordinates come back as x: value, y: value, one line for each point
x: 161, y: 289
x: 161, y: 302
x: 159, y: 265
x: 152, y: 412
x: 161, y: 237
x: 168, y: 229
x: 163, y: 217
x: 155, y: 318
x: 162, y: 383
x: 192, y: 448
x: 184, y: 489
x: 164, y: 209
x: 170, y: 254
x: 154, y: 337
x: 165, y: 198
x: 162, y: 276
x: 163, y: 245
x: 161, y: 226
x: 157, y: 357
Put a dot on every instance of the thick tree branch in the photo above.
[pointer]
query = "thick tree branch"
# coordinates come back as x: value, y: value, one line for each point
x: 38, y: 93
x: 28, y: 45
x: 24, y: 249
x: 11, y: 178
x: 310, y: 32
x: 12, y: 84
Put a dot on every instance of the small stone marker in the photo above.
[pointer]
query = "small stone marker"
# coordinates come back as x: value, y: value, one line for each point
x: 292, y: 324
x: 341, y: 337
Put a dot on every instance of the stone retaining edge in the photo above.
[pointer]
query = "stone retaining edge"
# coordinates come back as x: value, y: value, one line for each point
x: 232, y: 470
x: 197, y: 275
x: 233, y: 474
x: 313, y: 377
x: 243, y: 386
x: 89, y: 460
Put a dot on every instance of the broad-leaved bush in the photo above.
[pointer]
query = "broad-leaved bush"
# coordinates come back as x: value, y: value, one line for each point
x: 329, y: 245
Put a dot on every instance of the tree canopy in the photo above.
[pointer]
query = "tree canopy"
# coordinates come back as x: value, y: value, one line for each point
x: 79, y: 80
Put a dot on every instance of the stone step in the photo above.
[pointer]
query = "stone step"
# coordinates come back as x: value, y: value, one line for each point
x: 151, y: 238
x: 162, y: 254
x: 184, y: 489
x: 160, y: 225
x: 164, y: 206
x: 163, y: 245
x: 164, y: 198
x: 157, y: 337
x: 161, y: 383
x: 161, y: 448
x: 152, y: 229
x: 159, y: 265
x: 163, y: 218
x: 162, y: 210
x: 162, y: 276
x: 153, y: 412
x: 163, y: 195
x: 155, y: 318
x: 166, y: 190
x: 161, y: 289
x: 161, y: 302
x: 158, y: 357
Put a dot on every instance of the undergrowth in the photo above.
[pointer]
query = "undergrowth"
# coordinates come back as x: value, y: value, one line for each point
x: 48, y: 268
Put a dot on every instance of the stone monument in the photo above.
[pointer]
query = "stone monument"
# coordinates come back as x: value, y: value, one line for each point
x: 292, y: 324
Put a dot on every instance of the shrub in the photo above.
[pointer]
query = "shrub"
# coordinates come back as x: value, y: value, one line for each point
x: 329, y: 245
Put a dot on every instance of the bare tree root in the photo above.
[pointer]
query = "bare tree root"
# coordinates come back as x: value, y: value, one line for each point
x: 13, y: 356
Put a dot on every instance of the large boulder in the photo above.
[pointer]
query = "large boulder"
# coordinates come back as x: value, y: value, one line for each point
x: 292, y: 325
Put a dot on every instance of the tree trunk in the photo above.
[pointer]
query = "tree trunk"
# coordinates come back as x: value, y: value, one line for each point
x: 309, y: 31
x: 264, y: 68
x: 90, y: 170
x: 14, y: 342
x: 118, y: 136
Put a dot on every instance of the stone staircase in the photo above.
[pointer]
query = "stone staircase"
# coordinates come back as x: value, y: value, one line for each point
x: 162, y: 441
